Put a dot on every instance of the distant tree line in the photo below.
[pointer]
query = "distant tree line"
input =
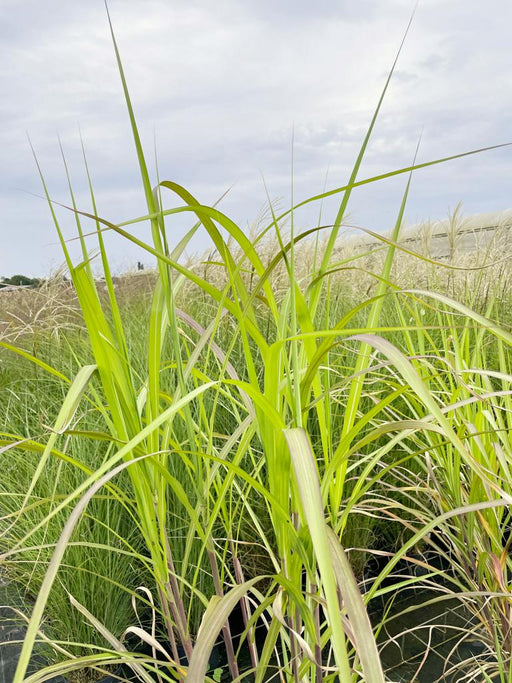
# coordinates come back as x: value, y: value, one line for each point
x: 19, y: 281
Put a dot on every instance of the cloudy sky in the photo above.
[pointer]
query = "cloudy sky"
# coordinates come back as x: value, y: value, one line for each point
x: 224, y: 86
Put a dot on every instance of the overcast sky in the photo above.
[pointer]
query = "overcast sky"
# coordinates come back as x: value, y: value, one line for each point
x: 221, y: 86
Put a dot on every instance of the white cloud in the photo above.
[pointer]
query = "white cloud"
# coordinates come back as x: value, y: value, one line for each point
x: 224, y: 83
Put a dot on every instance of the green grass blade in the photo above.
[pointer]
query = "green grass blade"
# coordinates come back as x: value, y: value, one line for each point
x: 356, y: 386
x: 213, y: 620
x: 306, y: 476
x: 51, y: 572
x: 365, y: 644
x: 66, y: 413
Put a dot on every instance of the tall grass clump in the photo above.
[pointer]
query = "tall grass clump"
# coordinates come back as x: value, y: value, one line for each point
x: 227, y: 451
x: 466, y: 492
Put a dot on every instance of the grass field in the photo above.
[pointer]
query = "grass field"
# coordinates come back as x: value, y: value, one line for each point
x: 424, y: 462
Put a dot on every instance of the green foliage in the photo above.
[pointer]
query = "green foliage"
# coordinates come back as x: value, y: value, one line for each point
x: 222, y: 452
x: 20, y: 281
